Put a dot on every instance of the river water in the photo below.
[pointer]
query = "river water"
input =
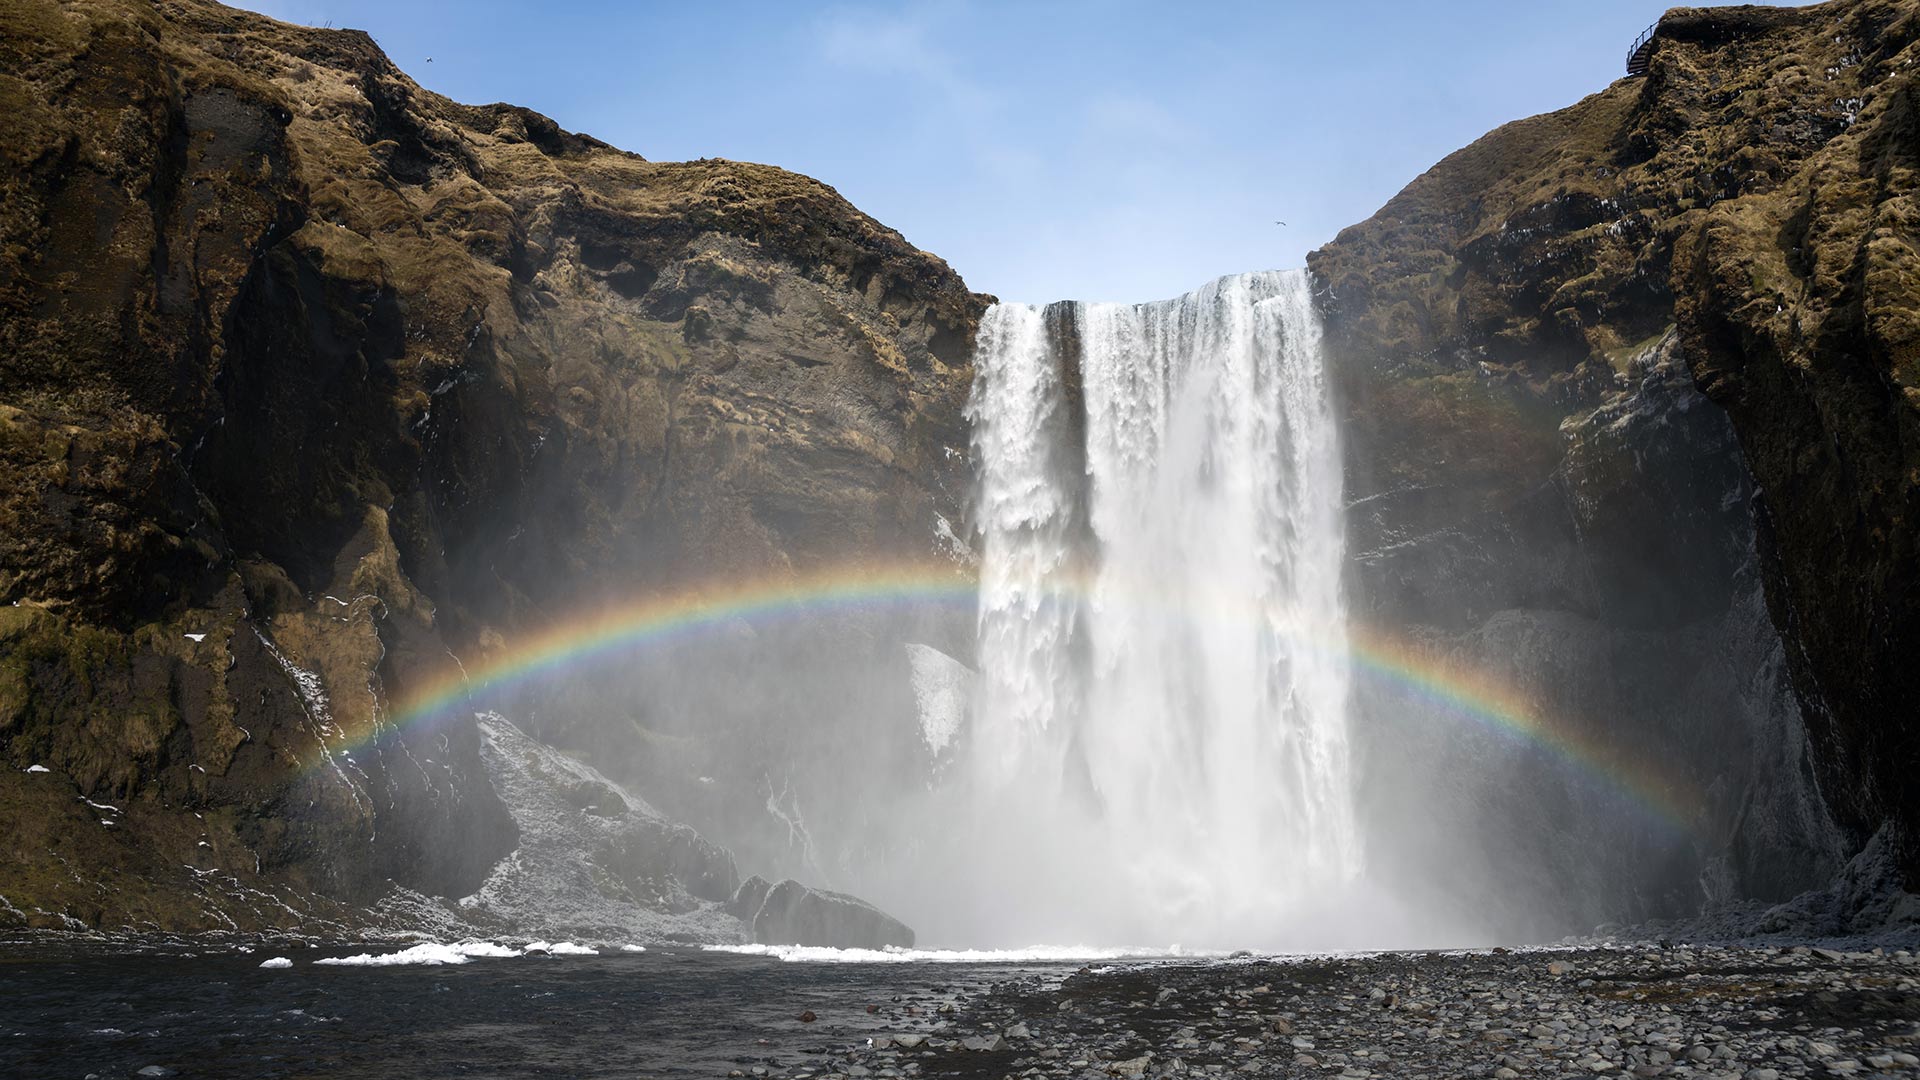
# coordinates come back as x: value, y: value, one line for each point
x: 667, y: 1012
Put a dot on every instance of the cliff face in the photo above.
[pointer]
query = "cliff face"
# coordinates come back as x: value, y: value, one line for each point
x: 1744, y: 214
x: 315, y: 386
x: 312, y: 381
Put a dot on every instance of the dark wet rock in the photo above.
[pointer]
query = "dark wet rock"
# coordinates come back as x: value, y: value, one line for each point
x: 794, y: 914
x: 1867, y: 896
x: 746, y: 900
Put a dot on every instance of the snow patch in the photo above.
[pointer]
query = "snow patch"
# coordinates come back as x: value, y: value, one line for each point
x: 949, y: 543
x: 38, y: 769
x: 312, y: 691
x: 195, y: 638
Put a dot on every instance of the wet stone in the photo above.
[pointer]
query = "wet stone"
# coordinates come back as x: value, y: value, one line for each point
x: 1696, y: 1013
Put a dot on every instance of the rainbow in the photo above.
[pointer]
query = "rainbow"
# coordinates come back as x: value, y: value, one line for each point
x: 657, y: 620
x: 1670, y: 801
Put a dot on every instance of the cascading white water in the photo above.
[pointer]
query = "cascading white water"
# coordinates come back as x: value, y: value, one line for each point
x: 1159, y: 745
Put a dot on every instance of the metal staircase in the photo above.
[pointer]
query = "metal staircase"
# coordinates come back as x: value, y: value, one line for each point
x: 1641, y: 54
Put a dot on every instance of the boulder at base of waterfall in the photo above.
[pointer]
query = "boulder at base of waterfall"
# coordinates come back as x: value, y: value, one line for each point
x: 748, y: 898
x: 793, y: 914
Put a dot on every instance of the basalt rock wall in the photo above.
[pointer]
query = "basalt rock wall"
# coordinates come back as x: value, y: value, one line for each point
x: 315, y: 385
x: 1631, y: 402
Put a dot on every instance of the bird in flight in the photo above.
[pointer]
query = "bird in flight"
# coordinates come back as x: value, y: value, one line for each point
x: 1279, y: 223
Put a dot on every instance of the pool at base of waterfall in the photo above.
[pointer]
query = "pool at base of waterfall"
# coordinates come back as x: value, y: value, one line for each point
x: 1752, y: 1010
x: 432, y: 1010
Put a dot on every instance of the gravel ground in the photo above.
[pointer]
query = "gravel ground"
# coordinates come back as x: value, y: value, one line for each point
x: 1749, y: 1013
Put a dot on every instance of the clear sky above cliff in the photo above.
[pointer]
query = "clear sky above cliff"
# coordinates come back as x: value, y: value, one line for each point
x: 1086, y: 150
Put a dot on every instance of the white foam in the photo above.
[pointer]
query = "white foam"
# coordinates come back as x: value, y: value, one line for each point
x: 633, y: 948
x: 430, y: 954
x: 562, y: 948
x: 277, y: 962
x: 1034, y: 954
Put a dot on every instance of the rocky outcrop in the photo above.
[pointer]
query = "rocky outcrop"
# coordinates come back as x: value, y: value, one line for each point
x: 745, y: 902
x: 1628, y: 745
x: 793, y: 914
x: 314, y: 385
x: 1502, y: 326
x: 590, y: 859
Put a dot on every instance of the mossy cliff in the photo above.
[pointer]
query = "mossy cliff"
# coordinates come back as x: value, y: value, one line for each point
x: 315, y: 385
x: 312, y: 380
x: 1744, y: 214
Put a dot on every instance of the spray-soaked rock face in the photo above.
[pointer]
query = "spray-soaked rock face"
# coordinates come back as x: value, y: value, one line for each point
x: 1540, y: 495
x: 792, y: 914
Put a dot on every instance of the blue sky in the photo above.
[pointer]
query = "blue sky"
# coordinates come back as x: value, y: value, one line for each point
x: 1098, y: 151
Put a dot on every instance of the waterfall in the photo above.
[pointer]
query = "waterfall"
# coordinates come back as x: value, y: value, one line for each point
x: 1159, y: 744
